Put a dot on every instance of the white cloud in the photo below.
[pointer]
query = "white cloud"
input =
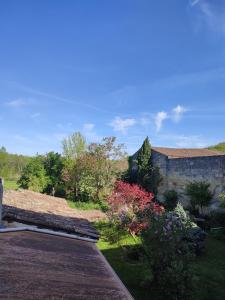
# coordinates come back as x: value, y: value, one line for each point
x: 178, y: 112
x: 17, y: 103
x: 159, y: 118
x: 90, y: 133
x: 122, y: 125
x: 145, y: 121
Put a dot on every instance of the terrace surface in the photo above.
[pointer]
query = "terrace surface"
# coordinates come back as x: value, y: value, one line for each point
x: 41, y: 266
x: 47, y: 211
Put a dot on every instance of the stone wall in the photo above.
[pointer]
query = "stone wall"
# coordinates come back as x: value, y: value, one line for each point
x: 159, y: 160
x: 177, y: 172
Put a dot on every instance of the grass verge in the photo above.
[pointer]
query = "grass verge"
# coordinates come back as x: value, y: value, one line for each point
x: 83, y: 205
x: 10, y: 185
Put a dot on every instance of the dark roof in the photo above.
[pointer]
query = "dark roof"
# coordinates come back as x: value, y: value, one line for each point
x: 186, y: 153
x: 51, y: 212
x: 41, y: 266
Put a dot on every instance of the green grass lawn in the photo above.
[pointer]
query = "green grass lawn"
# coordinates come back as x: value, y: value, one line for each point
x: 83, y: 205
x: 10, y: 184
x: 132, y: 274
x: 209, y: 269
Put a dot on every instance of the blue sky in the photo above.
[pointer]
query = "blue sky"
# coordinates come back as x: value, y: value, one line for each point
x: 124, y: 68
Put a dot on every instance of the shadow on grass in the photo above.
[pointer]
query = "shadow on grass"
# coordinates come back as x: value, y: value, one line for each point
x: 208, y: 269
x: 131, y: 268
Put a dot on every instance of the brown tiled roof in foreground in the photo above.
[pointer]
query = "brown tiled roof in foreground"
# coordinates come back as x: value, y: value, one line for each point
x: 38, y: 266
x: 185, y: 153
x: 51, y: 212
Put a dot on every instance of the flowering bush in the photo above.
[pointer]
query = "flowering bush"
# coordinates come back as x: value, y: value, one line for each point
x: 129, y: 204
x: 169, y: 255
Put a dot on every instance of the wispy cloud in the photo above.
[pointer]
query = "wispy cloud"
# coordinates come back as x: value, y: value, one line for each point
x: 19, y: 102
x: 194, y: 2
x: 178, y: 112
x: 90, y: 133
x: 122, y: 125
x: 159, y: 119
x: 55, y: 97
x: 175, y: 115
x: 212, y: 13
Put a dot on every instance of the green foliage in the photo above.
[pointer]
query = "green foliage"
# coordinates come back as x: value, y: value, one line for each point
x: 169, y: 256
x: 132, y: 274
x: 171, y: 199
x: 10, y: 185
x: 74, y: 145
x: 143, y: 157
x: 222, y: 200
x: 11, y: 165
x: 199, y: 194
x: 34, y: 175
x: 84, y: 205
x: 91, y: 175
x: 218, y: 147
x: 103, y: 169
x: 208, y: 270
x: 53, y: 165
x: 146, y: 176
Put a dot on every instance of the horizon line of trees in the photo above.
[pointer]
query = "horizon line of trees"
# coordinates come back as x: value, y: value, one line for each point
x: 84, y: 172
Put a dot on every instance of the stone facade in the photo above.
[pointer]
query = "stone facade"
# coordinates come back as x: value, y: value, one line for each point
x: 176, y: 172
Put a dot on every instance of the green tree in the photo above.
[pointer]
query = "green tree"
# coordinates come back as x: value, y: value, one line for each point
x: 147, y: 176
x: 53, y: 165
x: 103, y: 168
x: 74, y: 145
x: 34, y: 175
x: 77, y: 177
x: 143, y: 168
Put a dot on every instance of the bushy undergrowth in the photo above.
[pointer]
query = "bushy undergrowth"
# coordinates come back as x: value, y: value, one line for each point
x: 87, y: 205
x: 171, y: 199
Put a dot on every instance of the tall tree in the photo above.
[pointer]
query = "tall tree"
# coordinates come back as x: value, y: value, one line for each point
x: 74, y: 145
x: 143, y: 159
x: 104, y: 170
x: 148, y: 176
x: 53, y: 165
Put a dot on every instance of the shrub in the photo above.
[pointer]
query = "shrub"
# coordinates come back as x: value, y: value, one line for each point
x: 222, y: 200
x: 199, y: 193
x: 171, y: 199
x: 169, y: 256
x: 129, y: 205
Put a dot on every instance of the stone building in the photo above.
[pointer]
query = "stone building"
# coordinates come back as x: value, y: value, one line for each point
x: 180, y: 166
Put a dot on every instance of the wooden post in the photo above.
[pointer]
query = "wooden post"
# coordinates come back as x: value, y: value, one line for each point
x: 1, y: 199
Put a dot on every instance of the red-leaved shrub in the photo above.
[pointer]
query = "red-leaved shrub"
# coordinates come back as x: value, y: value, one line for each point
x: 129, y: 204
